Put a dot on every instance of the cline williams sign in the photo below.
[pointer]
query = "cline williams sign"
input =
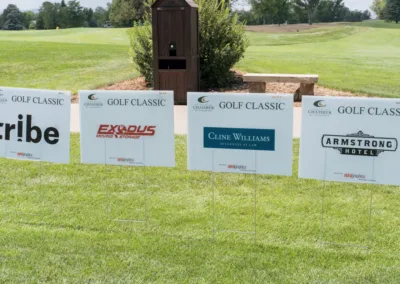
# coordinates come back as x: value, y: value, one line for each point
x: 240, y: 133
x: 35, y: 125
x: 239, y: 138
x: 127, y: 128
x: 350, y: 139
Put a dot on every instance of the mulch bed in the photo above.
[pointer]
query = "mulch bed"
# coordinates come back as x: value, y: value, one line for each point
x: 240, y: 87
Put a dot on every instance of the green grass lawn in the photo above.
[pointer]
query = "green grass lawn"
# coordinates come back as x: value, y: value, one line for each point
x: 378, y: 24
x: 354, y: 58
x: 65, y: 59
x: 56, y: 227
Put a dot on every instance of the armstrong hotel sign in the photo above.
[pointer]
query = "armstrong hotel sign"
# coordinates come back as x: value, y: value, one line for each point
x: 350, y: 139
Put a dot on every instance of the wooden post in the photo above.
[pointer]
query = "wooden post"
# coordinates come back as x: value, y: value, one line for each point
x: 305, y: 89
x: 258, y: 87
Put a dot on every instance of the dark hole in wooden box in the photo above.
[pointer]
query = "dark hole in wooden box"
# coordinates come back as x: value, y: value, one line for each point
x: 172, y: 64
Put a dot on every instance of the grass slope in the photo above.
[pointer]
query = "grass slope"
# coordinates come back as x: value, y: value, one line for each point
x: 346, y: 57
x: 56, y: 228
x: 380, y: 24
x: 65, y: 59
x: 361, y: 60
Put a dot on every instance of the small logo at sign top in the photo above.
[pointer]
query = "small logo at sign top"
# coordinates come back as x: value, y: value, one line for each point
x: 202, y: 100
x: 3, y: 100
x: 203, y: 105
x: 92, y: 97
x: 319, y: 109
x: 320, y: 104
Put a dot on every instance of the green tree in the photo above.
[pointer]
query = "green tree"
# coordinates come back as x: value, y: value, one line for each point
x: 3, y: 17
x: 124, y: 12
x: 263, y: 9
x: 63, y: 17
x: 12, y: 17
x: 309, y: 6
x: 47, y: 16
x: 249, y: 17
x: 27, y: 18
x: 378, y: 6
x: 271, y: 11
x: 101, y: 15
x: 90, y: 21
x: 329, y: 11
x: 392, y: 11
x: 281, y: 11
x: 76, y: 17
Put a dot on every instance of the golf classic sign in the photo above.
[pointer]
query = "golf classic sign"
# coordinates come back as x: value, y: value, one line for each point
x: 127, y: 128
x: 240, y: 133
x: 35, y: 125
x: 350, y: 139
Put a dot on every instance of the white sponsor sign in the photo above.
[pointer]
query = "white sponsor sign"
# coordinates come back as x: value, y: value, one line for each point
x: 35, y: 124
x: 350, y: 140
x: 127, y: 128
x: 240, y: 133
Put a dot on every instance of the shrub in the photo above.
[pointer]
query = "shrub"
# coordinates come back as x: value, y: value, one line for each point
x: 222, y: 44
x: 141, y: 50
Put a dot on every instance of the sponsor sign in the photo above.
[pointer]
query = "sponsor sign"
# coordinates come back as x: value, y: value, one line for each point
x: 350, y: 139
x: 35, y: 124
x: 240, y: 133
x: 127, y: 128
x: 239, y: 138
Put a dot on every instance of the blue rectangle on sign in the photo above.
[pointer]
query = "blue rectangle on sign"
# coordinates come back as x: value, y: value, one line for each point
x: 239, y: 138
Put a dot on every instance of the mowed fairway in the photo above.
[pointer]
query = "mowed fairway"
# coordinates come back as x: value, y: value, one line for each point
x: 360, y: 59
x: 58, y: 226
x: 356, y: 59
x: 64, y: 59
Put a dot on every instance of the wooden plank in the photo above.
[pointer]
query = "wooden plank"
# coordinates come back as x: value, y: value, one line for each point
x: 281, y: 78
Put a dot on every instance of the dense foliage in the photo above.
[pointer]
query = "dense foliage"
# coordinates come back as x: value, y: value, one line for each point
x: 123, y: 13
x: 12, y: 18
x: 378, y: 6
x: 301, y: 11
x: 388, y: 10
x: 69, y: 15
x: 222, y: 44
x: 392, y: 11
x: 53, y: 14
x: 141, y: 50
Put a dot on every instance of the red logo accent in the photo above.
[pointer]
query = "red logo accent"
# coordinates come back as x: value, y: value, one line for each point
x: 123, y: 131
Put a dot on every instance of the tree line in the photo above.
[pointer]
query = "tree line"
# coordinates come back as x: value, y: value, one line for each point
x: 124, y: 13
x: 301, y: 11
x: 71, y: 14
x: 388, y: 10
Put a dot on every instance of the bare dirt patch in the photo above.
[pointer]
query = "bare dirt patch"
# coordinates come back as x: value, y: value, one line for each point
x: 289, y: 28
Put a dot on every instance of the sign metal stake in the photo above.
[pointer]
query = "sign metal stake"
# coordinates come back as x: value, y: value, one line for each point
x: 109, y: 209
x: 367, y: 247
x: 213, y: 195
x: 255, y: 197
x: 255, y: 179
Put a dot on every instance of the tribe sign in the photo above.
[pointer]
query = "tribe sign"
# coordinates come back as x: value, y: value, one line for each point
x: 359, y: 144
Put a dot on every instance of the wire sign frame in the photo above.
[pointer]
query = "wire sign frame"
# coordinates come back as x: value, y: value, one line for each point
x: 252, y: 172
x: 322, y: 241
